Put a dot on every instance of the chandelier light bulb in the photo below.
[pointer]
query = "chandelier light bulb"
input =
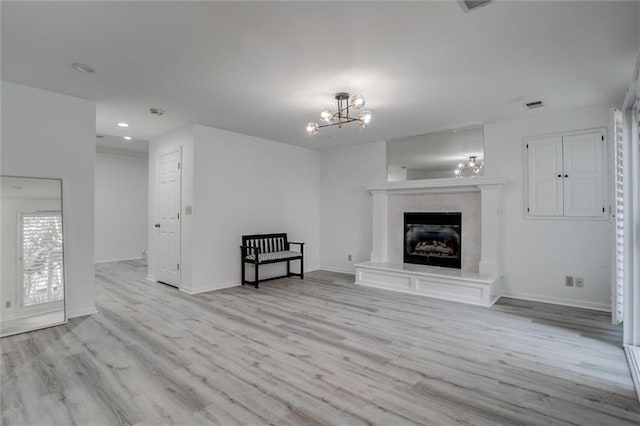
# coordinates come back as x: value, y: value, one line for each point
x: 357, y: 102
x: 472, y: 161
x: 365, y: 118
x: 312, y: 128
x: 326, y: 115
x: 457, y: 172
x: 460, y: 165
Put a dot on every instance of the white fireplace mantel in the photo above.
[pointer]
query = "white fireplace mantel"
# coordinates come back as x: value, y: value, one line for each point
x: 429, y: 186
x: 489, y: 268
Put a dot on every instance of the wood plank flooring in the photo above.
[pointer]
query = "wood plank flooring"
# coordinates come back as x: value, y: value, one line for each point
x: 318, y: 351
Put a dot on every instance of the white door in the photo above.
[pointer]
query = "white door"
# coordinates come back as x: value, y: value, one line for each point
x: 583, y: 175
x: 168, y: 225
x: 544, y: 157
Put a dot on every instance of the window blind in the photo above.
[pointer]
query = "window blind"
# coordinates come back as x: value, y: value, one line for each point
x: 618, y: 290
x: 41, y: 256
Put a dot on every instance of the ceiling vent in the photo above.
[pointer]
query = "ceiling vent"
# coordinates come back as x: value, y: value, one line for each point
x: 469, y: 5
x: 534, y: 105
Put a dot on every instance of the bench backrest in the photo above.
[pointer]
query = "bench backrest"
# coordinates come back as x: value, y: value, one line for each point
x: 267, y: 243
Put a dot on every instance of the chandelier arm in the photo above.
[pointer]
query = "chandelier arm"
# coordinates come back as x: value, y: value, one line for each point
x: 351, y: 120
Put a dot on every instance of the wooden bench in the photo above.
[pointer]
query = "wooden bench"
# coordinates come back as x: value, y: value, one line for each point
x: 261, y: 249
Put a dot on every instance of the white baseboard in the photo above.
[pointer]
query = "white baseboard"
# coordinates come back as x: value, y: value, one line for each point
x: 81, y: 312
x: 119, y: 260
x: 558, y: 301
x: 338, y: 270
x: 198, y: 290
x: 151, y: 278
x: 633, y: 359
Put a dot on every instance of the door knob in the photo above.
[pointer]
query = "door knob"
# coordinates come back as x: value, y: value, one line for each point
x: 157, y: 225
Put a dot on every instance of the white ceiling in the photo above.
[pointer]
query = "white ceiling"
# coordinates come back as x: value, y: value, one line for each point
x: 267, y: 68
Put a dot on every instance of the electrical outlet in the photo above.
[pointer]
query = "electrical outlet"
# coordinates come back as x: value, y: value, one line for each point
x: 579, y: 282
x: 7, y: 304
x: 568, y: 281
x: 349, y: 257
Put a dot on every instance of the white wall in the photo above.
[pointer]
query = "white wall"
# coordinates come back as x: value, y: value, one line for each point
x: 46, y: 134
x: 247, y: 185
x: 122, y: 183
x: 345, y: 204
x: 182, y: 139
x: 537, y: 254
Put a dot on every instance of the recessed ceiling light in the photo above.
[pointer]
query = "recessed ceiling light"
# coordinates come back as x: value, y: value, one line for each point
x: 127, y: 138
x: 123, y: 124
x: 156, y: 111
x: 83, y: 68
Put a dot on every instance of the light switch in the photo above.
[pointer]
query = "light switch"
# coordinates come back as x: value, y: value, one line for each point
x: 187, y: 210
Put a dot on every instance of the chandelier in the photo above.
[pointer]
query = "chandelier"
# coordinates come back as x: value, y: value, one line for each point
x: 342, y: 114
x: 473, y: 167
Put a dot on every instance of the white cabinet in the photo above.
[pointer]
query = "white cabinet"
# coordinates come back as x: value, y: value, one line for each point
x: 566, y: 175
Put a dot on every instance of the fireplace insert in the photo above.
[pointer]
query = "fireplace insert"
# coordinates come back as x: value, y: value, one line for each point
x: 433, y: 239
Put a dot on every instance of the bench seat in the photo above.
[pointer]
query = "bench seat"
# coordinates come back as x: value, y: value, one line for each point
x: 276, y: 255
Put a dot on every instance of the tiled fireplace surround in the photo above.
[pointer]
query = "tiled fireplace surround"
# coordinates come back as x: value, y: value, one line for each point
x: 477, y: 198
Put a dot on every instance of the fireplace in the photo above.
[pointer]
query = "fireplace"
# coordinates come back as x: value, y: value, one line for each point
x: 433, y: 239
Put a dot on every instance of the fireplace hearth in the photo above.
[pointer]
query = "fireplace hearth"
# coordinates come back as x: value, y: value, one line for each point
x: 433, y: 238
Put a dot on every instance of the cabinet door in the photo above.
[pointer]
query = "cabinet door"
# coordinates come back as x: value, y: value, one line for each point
x: 544, y: 158
x: 583, y: 175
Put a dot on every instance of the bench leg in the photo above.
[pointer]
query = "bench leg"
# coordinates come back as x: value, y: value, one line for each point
x: 242, y: 273
x: 301, y: 268
x: 256, y: 271
x: 288, y: 268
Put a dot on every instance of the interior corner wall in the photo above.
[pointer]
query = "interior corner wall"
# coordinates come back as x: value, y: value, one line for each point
x: 181, y: 139
x: 345, y: 204
x: 539, y: 253
x: 247, y: 185
x: 46, y: 134
x: 122, y: 186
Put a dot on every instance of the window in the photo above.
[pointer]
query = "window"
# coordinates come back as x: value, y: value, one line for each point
x: 41, y: 258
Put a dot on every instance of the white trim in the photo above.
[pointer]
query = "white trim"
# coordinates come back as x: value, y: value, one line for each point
x: 82, y: 312
x: 461, y: 184
x: 151, y: 278
x: 338, y: 270
x: 605, y: 307
x: 633, y: 359
x: 119, y: 260
x: 198, y: 290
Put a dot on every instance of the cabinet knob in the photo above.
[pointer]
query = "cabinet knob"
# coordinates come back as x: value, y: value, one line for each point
x: 566, y: 175
x: 559, y: 176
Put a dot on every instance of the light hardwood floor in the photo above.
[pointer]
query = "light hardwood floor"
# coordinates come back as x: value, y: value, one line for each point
x: 318, y: 351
